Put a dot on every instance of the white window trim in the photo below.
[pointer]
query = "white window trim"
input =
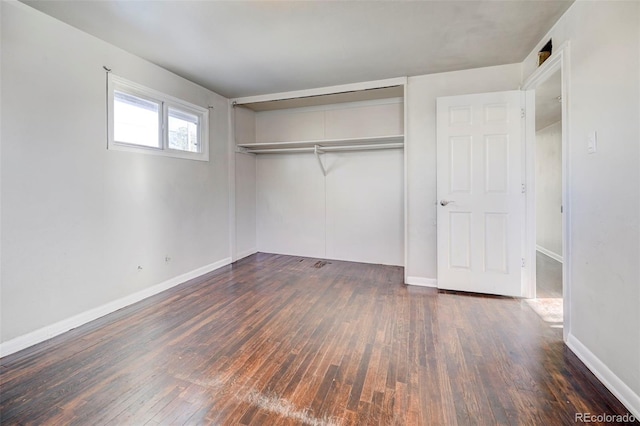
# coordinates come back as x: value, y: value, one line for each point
x: 166, y: 101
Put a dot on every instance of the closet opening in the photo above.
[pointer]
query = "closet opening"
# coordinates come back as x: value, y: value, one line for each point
x: 324, y: 172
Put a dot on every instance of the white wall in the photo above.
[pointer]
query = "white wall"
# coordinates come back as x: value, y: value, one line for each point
x: 246, y: 237
x: 421, y: 265
x: 549, y: 190
x: 291, y: 205
x: 349, y: 120
x: 354, y: 213
x: 364, y: 206
x: 245, y: 184
x: 604, y: 197
x: 78, y: 220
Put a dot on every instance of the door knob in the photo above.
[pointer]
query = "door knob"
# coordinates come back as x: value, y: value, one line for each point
x: 445, y: 202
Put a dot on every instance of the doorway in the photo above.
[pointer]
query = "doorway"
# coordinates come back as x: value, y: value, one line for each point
x: 557, y: 65
x: 548, y: 200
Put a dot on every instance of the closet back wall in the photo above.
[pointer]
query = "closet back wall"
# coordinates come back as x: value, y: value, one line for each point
x: 354, y: 213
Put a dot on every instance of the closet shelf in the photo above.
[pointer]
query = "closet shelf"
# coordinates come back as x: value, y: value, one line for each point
x: 366, y: 142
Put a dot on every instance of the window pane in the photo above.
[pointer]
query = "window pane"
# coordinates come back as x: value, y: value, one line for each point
x: 135, y: 120
x: 183, y: 131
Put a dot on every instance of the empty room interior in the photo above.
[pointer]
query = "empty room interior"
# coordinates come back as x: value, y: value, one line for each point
x: 319, y: 213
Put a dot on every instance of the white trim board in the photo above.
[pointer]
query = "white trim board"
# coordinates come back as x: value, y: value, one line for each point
x: 422, y: 282
x: 551, y: 254
x: 231, y: 174
x: 331, y: 107
x: 618, y: 388
x: 399, y: 81
x: 22, y: 342
x: 405, y: 176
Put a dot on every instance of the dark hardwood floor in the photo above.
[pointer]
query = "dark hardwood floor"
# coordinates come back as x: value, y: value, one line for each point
x: 282, y: 340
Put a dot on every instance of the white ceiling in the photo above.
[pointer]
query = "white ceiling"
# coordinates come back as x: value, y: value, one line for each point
x: 242, y: 48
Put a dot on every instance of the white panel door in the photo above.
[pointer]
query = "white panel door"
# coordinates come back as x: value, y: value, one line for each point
x: 480, y: 198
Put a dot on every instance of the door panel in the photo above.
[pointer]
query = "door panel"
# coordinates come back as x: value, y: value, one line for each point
x: 496, y: 239
x: 460, y: 147
x: 460, y: 237
x: 496, y: 163
x: 480, y: 200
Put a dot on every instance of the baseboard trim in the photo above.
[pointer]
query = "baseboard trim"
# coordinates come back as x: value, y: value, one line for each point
x: 245, y: 253
x: 423, y: 282
x: 22, y: 342
x: 621, y: 390
x: 551, y: 254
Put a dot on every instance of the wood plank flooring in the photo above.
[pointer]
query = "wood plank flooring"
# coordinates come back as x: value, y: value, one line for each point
x: 283, y: 340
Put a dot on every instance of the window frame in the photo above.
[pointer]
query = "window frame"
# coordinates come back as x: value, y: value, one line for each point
x: 116, y: 83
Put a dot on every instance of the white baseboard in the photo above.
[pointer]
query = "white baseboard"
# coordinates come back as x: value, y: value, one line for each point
x: 22, y: 342
x: 621, y: 390
x: 423, y: 282
x: 245, y: 253
x: 551, y: 254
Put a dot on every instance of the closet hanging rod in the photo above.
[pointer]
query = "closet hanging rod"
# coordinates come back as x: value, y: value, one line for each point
x: 372, y: 147
x: 277, y: 150
x: 323, y: 149
x: 325, y: 142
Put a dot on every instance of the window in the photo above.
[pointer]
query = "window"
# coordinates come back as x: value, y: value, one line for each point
x: 137, y: 121
x: 144, y: 120
x: 183, y: 130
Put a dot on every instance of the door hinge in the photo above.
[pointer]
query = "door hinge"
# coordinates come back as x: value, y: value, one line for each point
x: 523, y: 262
x: 522, y: 113
x: 524, y: 188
